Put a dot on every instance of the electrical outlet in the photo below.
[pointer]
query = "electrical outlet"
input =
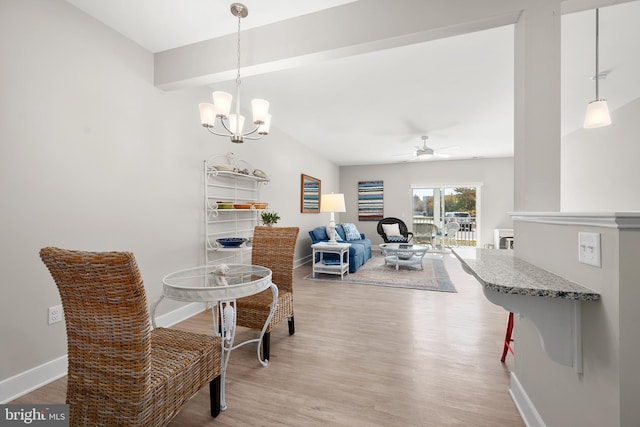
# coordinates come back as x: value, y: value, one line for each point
x: 55, y: 314
x: 589, y: 248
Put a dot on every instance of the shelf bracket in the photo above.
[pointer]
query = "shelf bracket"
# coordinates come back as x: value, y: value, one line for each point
x: 558, y: 322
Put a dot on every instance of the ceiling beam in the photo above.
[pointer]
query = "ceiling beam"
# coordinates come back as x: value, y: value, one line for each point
x: 351, y: 29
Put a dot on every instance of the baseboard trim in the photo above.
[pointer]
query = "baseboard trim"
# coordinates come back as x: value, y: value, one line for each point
x: 178, y: 315
x: 301, y: 261
x: 525, y: 406
x: 27, y: 381
x: 34, y: 378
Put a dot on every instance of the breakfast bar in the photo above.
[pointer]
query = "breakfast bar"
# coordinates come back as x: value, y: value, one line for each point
x: 551, y: 302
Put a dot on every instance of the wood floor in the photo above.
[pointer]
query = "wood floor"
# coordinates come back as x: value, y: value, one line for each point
x: 365, y: 356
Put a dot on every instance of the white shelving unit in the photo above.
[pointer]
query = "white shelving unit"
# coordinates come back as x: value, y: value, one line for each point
x: 238, y: 188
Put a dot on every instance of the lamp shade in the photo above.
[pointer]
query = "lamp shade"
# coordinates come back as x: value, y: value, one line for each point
x: 264, y: 128
x: 222, y: 103
x: 332, y: 203
x: 597, y: 114
x: 235, y: 125
x: 260, y: 109
x: 207, y: 114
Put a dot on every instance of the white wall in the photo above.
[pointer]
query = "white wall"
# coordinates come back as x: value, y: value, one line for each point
x: 495, y: 176
x: 629, y: 293
x: 599, y: 174
x: 94, y: 157
x: 560, y: 395
x: 600, y: 170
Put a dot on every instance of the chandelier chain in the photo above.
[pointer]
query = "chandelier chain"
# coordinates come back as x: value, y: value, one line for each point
x: 238, y: 58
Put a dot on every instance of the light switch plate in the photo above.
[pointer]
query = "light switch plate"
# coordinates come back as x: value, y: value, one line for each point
x: 589, y: 248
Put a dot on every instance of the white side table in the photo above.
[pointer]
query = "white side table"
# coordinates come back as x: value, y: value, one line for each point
x: 323, y: 265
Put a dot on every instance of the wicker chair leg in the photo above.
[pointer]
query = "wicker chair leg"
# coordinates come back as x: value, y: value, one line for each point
x: 266, y: 341
x: 292, y: 326
x: 214, y: 396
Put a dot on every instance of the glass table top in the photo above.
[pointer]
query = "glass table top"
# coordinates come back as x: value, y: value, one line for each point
x: 220, y: 282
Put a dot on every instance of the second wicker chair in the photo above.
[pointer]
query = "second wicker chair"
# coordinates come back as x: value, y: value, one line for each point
x: 274, y: 248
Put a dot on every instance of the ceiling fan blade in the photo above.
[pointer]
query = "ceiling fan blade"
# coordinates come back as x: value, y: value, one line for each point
x: 443, y: 155
x: 450, y: 147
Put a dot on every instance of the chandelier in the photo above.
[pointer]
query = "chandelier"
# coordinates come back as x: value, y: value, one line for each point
x: 233, y: 124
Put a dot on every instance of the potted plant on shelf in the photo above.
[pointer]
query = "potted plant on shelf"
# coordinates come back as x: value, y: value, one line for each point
x: 269, y: 218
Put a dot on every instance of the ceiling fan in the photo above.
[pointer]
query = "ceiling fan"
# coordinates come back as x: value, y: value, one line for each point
x: 426, y: 153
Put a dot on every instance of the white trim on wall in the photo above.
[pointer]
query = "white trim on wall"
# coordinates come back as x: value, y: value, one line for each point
x: 27, y: 381
x: 528, y: 412
x: 620, y: 220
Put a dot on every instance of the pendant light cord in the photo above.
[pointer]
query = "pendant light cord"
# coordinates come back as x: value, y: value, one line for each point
x: 597, y: 55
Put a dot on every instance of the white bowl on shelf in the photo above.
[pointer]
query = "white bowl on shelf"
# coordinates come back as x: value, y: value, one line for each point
x: 226, y: 168
x: 260, y: 174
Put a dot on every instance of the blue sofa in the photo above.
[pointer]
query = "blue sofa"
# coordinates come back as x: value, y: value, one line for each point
x: 359, y: 252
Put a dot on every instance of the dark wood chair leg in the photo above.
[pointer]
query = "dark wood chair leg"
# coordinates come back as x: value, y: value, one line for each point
x: 214, y: 396
x: 266, y: 340
x: 292, y: 326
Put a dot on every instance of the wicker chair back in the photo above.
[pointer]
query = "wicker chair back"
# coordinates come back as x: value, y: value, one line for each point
x: 120, y: 371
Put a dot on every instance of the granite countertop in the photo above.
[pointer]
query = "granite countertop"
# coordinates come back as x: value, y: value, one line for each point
x: 499, y: 271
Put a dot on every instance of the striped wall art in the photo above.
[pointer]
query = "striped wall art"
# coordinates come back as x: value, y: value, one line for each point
x: 370, y: 200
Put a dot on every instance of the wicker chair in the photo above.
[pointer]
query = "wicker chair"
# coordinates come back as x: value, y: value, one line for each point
x: 426, y: 233
x: 450, y: 232
x: 121, y: 372
x: 402, y: 228
x: 272, y: 247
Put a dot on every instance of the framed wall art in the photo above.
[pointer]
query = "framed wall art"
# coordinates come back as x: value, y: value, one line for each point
x: 309, y: 194
x: 370, y: 200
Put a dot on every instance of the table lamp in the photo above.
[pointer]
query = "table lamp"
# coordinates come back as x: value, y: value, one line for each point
x: 332, y: 203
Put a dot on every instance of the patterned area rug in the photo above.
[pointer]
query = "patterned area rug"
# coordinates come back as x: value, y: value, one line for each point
x: 434, y: 277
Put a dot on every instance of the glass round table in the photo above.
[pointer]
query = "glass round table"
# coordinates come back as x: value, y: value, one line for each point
x: 221, y: 284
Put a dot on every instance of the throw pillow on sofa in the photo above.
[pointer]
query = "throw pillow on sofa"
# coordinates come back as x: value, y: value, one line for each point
x: 351, y: 232
x: 320, y: 234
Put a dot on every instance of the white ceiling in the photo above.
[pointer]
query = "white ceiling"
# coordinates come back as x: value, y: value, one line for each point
x: 373, y: 108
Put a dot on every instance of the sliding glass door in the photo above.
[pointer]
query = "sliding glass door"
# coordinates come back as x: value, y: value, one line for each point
x: 447, y: 204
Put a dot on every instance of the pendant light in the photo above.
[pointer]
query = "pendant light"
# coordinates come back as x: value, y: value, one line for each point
x: 222, y: 101
x: 597, y: 110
